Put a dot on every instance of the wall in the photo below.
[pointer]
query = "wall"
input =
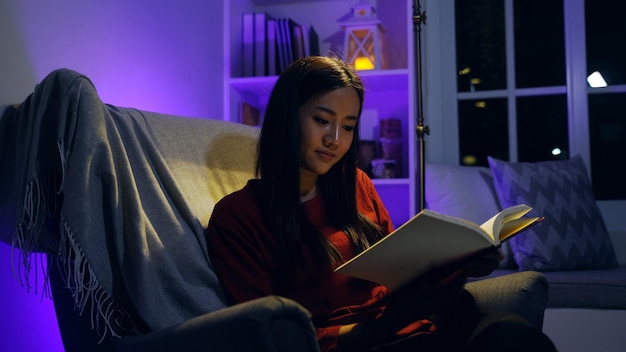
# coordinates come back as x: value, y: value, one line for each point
x: 163, y: 56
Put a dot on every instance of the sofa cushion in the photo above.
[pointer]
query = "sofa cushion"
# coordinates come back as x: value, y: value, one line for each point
x: 591, y: 289
x: 599, y: 289
x: 573, y: 235
x: 465, y: 192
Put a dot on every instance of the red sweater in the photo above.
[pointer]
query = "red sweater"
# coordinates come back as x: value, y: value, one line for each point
x: 247, y: 261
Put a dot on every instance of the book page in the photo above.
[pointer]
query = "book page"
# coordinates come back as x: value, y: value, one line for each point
x: 493, y: 226
x: 515, y: 226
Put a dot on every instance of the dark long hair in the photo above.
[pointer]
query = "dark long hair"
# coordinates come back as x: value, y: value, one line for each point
x: 278, y: 163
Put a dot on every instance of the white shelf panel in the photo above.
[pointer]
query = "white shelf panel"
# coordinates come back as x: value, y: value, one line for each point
x: 382, y: 182
x: 374, y: 81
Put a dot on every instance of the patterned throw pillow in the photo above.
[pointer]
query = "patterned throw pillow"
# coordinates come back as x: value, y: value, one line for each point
x: 573, y: 235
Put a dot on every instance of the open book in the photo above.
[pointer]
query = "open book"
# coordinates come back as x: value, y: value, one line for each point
x: 431, y: 240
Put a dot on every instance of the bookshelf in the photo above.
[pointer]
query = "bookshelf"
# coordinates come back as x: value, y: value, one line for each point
x: 389, y: 92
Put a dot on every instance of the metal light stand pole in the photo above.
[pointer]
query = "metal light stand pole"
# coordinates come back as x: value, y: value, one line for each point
x: 421, y: 130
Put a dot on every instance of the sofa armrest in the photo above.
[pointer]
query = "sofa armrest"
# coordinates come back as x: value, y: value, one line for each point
x: 523, y: 293
x: 269, y: 323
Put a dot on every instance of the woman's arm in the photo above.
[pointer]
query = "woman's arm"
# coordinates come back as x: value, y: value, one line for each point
x: 239, y: 248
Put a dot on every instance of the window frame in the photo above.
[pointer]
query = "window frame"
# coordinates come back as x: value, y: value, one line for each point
x: 441, y: 95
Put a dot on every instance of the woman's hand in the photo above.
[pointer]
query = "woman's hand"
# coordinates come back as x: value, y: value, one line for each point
x: 484, y: 265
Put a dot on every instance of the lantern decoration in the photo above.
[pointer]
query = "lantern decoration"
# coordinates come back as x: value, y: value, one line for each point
x: 363, y: 38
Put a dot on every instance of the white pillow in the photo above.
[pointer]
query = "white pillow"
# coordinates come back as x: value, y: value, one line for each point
x: 462, y: 191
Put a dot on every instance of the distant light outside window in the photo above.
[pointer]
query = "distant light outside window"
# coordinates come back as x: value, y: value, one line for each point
x: 596, y: 80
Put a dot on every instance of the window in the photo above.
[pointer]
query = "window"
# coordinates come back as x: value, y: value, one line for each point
x: 520, y: 90
x: 514, y: 54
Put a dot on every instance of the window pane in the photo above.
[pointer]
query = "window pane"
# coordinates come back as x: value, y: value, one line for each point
x: 480, y: 40
x: 539, y: 43
x: 542, y: 128
x: 606, y: 46
x: 607, y: 134
x: 483, y: 131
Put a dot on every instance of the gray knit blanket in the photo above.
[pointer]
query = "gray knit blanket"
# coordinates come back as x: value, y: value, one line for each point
x: 88, y: 182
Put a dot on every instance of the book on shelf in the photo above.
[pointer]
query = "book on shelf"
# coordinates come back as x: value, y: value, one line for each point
x: 297, y: 35
x: 247, y: 50
x: 271, y: 62
x: 249, y: 114
x: 270, y: 44
x: 260, y: 43
x: 286, y: 43
x: 433, y: 246
x: 281, y: 43
x: 292, y: 40
x: 314, y: 42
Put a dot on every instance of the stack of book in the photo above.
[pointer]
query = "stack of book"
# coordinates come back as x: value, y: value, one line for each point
x: 270, y: 44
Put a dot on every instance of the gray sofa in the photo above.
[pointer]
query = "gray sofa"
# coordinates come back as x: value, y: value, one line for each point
x: 117, y: 199
x: 587, y: 305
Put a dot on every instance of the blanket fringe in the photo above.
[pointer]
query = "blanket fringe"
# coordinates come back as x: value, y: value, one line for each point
x: 37, y: 206
x: 40, y: 203
x: 107, y: 316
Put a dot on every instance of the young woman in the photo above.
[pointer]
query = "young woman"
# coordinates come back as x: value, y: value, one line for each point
x: 311, y: 209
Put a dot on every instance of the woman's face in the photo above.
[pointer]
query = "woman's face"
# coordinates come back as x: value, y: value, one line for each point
x: 327, y: 124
